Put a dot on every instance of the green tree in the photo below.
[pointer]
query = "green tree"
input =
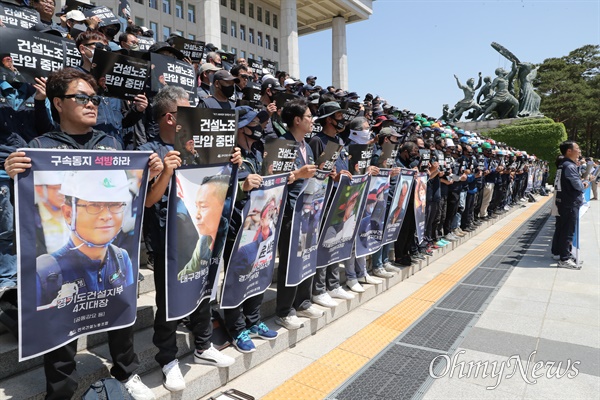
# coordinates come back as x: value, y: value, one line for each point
x: 570, y: 90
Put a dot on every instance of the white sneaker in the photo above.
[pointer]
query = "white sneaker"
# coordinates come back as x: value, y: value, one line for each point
x: 310, y: 312
x: 173, y: 380
x: 451, y: 237
x: 340, y: 293
x: 370, y: 280
x: 569, y: 264
x: 290, y: 323
x: 355, y: 286
x: 390, y: 268
x: 324, y: 300
x: 137, y: 389
x: 212, y: 356
x: 382, y: 273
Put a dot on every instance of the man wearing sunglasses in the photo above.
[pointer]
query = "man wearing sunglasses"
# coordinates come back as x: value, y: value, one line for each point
x: 111, y: 118
x: 72, y: 94
x: 241, y: 72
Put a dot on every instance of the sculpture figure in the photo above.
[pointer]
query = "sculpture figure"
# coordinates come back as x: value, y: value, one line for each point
x: 468, y: 102
x: 446, y: 114
x: 529, y: 100
x: 503, y: 102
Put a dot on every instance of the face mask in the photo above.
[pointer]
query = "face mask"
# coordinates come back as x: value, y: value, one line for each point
x: 92, y: 56
x: 256, y: 132
x: 360, y: 137
x: 227, y: 90
x: 134, y: 47
x: 422, y: 197
x: 340, y: 124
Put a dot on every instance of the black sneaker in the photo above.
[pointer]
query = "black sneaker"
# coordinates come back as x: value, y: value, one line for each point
x: 404, y: 261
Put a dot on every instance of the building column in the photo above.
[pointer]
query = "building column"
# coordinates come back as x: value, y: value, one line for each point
x: 209, y: 20
x: 290, y: 55
x: 339, y: 54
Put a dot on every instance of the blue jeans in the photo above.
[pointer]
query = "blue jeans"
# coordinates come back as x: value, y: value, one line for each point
x: 8, y: 258
x: 381, y: 256
x: 355, y: 267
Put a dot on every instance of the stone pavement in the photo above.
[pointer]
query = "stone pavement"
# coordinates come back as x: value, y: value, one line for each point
x: 539, y: 308
x: 543, y: 309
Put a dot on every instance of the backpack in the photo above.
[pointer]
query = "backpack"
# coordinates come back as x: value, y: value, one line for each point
x: 107, y: 389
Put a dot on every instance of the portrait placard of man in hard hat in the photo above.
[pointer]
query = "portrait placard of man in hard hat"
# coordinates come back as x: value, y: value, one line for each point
x: 93, y: 210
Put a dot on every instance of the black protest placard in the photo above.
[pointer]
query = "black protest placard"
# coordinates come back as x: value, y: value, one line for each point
x: 420, y: 204
x: 199, y: 210
x: 250, y: 269
x: 192, y: 49
x: 340, y: 226
x: 255, y: 67
x: 77, y: 5
x: 281, y: 98
x: 317, y: 128
x: 387, y: 158
x: 351, y: 110
x: 167, y: 70
x: 124, y: 9
x: 359, y: 158
x: 306, y: 223
x: 34, y: 54
x: 120, y: 76
x: 326, y: 160
x: 279, y: 156
x: 369, y: 236
x: 71, y: 55
x: 251, y: 97
x: 424, y: 159
x: 145, y: 42
x: 76, y: 279
x: 205, y: 135
x: 104, y: 14
x: 397, y: 210
x: 269, y: 66
x: 13, y: 16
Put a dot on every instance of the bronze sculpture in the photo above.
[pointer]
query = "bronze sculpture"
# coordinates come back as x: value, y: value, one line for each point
x: 497, y: 98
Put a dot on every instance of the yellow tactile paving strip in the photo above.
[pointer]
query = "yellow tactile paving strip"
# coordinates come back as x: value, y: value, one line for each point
x: 327, y: 373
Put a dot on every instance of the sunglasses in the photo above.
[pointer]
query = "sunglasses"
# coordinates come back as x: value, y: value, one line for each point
x: 83, y: 99
x: 245, y: 76
x: 98, y: 46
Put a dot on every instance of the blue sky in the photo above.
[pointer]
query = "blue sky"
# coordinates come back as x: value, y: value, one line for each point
x: 408, y: 51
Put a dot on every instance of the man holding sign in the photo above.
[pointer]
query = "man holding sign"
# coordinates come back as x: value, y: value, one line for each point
x: 72, y: 94
x: 110, y: 118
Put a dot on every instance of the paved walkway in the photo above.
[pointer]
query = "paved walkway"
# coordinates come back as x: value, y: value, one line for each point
x: 538, y: 308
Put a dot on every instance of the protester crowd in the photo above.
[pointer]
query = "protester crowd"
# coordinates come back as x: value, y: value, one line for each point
x: 470, y: 178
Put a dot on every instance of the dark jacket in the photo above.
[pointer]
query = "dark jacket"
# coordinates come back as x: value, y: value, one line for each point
x: 570, y: 189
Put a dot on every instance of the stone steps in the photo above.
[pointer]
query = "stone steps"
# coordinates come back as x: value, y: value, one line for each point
x: 26, y: 380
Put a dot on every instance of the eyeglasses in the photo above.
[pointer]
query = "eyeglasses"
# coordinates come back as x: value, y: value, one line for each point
x: 97, y: 45
x: 83, y: 99
x: 97, y: 208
